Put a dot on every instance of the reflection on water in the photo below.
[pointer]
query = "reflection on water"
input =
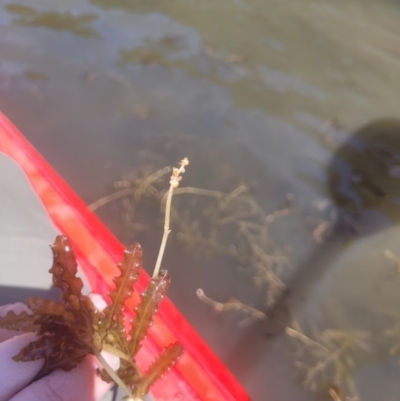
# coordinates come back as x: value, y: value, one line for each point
x: 253, y: 85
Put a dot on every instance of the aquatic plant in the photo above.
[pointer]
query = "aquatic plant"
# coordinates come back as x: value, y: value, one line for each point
x: 393, y: 334
x: 232, y: 224
x: 232, y: 305
x: 389, y: 255
x: 328, y: 357
x: 390, y: 337
x: 71, y: 329
x: 78, y: 24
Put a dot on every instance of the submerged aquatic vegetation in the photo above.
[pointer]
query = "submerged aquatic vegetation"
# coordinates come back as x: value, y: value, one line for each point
x: 393, y: 333
x: 329, y: 357
x: 390, y: 337
x: 392, y: 258
x: 72, y: 329
x: 232, y: 305
x: 231, y: 224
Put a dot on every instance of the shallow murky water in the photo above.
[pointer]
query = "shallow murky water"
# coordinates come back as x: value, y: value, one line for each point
x: 250, y: 90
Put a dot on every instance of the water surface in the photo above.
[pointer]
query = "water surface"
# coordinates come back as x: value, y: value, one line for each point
x: 100, y: 88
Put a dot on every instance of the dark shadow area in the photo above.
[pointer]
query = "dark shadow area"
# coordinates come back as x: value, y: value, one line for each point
x: 364, y: 174
x: 364, y: 184
x: 10, y: 294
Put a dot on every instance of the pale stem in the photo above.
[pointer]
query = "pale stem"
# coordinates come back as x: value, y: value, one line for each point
x: 197, y: 191
x: 109, y: 198
x: 231, y: 305
x: 166, y: 232
x: 174, y: 183
x: 217, y: 306
x: 112, y: 374
x: 296, y: 334
x: 112, y: 350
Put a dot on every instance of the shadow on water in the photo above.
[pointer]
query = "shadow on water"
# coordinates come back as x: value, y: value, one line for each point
x: 365, y: 172
x: 363, y: 183
x: 363, y: 178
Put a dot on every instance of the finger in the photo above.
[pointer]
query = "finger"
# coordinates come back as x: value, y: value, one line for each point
x: 16, y: 375
x: 81, y: 383
x: 17, y: 308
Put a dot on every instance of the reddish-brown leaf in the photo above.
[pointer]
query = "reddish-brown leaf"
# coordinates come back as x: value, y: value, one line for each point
x: 20, y: 322
x: 129, y: 268
x: 164, y: 362
x: 129, y: 373
x: 41, y: 348
x: 150, y: 298
x: 40, y: 306
x: 67, y: 328
x: 56, y: 354
x: 64, y: 272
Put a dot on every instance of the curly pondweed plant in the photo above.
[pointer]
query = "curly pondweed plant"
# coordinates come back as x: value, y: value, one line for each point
x: 73, y: 328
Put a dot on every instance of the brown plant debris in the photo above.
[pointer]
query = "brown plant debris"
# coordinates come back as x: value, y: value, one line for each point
x: 393, y: 334
x: 393, y: 258
x: 336, y: 393
x: 232, y: 305
x: 322, y: 231
x: 327, y: 357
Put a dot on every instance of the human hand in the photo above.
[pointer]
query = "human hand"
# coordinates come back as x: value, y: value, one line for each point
x: 79, y: 384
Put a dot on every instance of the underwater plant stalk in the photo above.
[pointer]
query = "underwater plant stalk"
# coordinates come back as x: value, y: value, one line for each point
x: 113, y: 375
x: 174, y: 183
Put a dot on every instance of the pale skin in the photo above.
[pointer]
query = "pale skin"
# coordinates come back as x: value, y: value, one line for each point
x: 81, y: 383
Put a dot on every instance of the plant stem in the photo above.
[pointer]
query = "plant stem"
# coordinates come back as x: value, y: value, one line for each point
x: 109, y: 198
x: 166, y: 232
x: 307, y: 340
x: 174, y: 183
x: 112, y: 374
x: 112, y: 350
x: 233, y: 304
